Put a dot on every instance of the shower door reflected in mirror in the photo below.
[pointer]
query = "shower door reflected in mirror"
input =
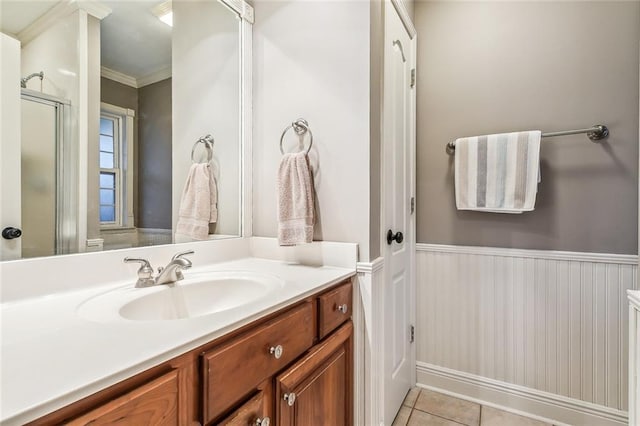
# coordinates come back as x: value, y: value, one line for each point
x: 38, y: 169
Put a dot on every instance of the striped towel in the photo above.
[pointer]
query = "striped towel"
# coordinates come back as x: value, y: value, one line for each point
x: 498, y: 173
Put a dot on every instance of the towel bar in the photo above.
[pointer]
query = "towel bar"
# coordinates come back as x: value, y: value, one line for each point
x: 594, y: 133
x: 208, y: 144
x: 300, y: 127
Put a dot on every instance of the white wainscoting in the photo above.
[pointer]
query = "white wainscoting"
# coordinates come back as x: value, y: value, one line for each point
x: 369, y: 338
x: 547, y: 325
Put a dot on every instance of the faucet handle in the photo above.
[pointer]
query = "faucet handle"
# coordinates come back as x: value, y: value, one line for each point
x: 145, y: 272
x: 184, y: 253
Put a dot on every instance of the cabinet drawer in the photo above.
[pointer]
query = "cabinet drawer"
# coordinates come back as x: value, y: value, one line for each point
x: 153, y: 403
x: 257, y: 408
x: 331, y: 308
x: 234, y: 369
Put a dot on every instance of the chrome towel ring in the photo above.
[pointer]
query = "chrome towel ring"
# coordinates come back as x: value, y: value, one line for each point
x: 300, y: 126
x: 208, y: 144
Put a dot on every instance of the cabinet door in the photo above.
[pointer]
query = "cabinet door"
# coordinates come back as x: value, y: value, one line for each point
x: 318, y: 389
x: 155, y: 403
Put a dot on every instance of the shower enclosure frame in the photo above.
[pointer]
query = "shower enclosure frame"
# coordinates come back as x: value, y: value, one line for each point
x: 66, y: 172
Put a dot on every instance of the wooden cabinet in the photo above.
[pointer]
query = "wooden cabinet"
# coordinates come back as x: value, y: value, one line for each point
x: 317, y: 390
x: 155, y: 403
x: 242, y: 378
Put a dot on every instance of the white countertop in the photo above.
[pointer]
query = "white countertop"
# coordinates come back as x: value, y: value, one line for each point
x: 51, y: 356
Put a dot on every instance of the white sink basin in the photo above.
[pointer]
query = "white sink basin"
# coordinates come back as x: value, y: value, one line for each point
x: 195, y: 296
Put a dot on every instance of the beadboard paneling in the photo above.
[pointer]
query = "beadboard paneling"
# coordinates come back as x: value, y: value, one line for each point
x: 556, y: 323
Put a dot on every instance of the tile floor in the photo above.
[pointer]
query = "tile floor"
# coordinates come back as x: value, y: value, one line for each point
x: 423, y: 407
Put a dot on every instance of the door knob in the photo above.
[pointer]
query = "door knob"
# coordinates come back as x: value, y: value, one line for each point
x: 9, y: 233
x: 398, y: 237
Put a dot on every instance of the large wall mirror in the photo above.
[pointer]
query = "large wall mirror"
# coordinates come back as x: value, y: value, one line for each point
x: 110, y: 110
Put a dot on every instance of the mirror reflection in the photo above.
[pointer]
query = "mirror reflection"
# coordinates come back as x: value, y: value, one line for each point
x: 111, y: 103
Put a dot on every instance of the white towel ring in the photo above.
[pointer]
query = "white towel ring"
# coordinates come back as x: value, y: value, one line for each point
x: 208, y: 144
x: 300, y: 126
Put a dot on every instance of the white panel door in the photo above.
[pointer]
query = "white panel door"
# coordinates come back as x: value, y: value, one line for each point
x: 397, y: 191
x: 9, y: 145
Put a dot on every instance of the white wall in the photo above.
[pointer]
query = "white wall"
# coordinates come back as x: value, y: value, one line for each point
x: 206, y: 100
x: 9, y: 144
x: 311, y: 60
x: 55, y: 51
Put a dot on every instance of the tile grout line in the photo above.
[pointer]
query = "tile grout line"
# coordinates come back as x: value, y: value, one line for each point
x: 439, y: 416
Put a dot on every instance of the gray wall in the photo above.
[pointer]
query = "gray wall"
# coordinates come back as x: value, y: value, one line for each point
x: 491, y: 67
x: 376, y: 65
x: 118, y: 94
x: 154, y: 159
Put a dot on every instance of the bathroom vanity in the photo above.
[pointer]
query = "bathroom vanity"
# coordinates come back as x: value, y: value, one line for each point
x: 283, y: 357
x: 293, y: 367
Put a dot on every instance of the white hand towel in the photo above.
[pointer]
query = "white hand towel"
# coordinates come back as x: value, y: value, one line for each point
x: 198, y: 205
x: 498, y: 173
x: 295, y: 200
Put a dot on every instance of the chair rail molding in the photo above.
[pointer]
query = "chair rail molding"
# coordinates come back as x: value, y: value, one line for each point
x: 621, y: 259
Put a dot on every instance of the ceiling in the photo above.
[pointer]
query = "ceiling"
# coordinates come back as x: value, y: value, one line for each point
x: 16, y: 15
x: 133, y: 41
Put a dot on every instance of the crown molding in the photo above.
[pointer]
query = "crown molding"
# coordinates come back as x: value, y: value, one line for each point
x: 119, y: 77
x: 60, y: 10
x: 154, y: 77
x: 94, y: 8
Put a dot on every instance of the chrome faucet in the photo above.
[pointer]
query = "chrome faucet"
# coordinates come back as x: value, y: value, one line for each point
x: 167, y: 275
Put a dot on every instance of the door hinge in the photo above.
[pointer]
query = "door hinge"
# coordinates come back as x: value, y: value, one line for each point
x: 412, y: 334
x: 413, y: 77
x: 413, y: 204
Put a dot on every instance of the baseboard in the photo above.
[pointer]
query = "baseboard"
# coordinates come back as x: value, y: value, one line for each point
x: 517, y: 399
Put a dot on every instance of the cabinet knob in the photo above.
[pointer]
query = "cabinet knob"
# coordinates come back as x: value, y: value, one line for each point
x: 263, y: 422
x: 276, y: 351
x: 290, y: 398
x: 343, y: 308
